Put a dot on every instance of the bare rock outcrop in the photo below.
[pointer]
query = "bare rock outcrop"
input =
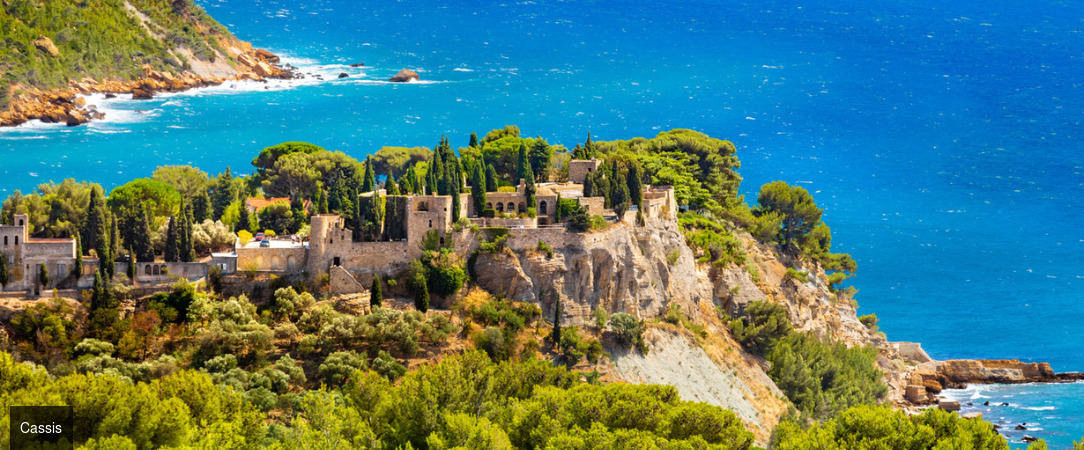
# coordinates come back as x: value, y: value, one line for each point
x: 46, y: 45
x: 404, y: 76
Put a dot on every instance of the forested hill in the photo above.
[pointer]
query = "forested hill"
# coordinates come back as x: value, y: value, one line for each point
x: 48, y: 43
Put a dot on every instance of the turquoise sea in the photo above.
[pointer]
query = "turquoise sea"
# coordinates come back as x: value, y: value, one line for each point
x: 943, y: 137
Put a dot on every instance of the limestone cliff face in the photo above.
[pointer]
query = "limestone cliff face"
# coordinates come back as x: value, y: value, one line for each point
x: 623, y: 269
x: 643, y: 270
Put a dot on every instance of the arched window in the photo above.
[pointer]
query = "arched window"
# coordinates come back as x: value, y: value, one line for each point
x: 423, y: 206
x: 542, y: 207
x: 147, y: 270
x: 20, y: 222
x: 522, y: 207
x: 157, y: 271
x: 489, y: 205
x: 511, y: 207
x: 500, y: 207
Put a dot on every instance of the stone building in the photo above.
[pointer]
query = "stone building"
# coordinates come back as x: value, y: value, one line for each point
x: 579, y: 169
x: 334, y: 249
x: 25, y: 255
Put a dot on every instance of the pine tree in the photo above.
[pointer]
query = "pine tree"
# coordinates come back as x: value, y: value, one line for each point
x: 473, y: 140
x: 376, y: 297
x: 225, y: 193
x: 523, y: 165
x: 478, y: 189
x: 368, y: 182
x: 172, y: 245
x: 557, y: 323
x: 491, y: 179
x: 577, y: 153
x: 94, y: 227
x: 244, y: 219
x: 390, y: 186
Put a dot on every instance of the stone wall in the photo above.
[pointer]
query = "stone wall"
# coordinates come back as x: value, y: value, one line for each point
x: 272, y: 259
x: 579, y: 168
x: 594, y: 205
x: 163, y: 272
x: 341, y: 282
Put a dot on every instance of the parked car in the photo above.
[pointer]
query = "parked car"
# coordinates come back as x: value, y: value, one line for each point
x: 265, y: 243
x: 259, y: 236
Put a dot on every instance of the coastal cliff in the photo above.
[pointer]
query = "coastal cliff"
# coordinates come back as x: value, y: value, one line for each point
x: 137, y: 47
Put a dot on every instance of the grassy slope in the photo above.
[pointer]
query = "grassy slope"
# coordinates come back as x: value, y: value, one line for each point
x: 99, y: 39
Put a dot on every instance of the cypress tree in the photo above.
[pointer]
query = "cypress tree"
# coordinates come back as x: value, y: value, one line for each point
x: 390, y: 186
x: 491, y: 179
x: 589, y: 185
x: 478, y: 189
x: 529, y: 189
x: 43, y: 275
x: 107, y: 263
x: 131, y: 265
x: 358, y: 224
x: 368, y: 182
x: 376, y: 216
x: 225, y: 193
x: 172, y: 245
x: 186, y: 250
x: 431, y: 177
x: 523, y: 165
x: 142, y: 232
x: 557, y: 209
x: 4, y: 276
x: 201, y: 207
x: 557, y: 323
x: 636, y: 185
x: 620, y: 198
x: 577, y: 153
x: 244, y: 219
x: 473, y: 140
x: 376, y: 297
x: 322, y: 208
x: 78, y: 269
x: 94, y: 227
x: 589, y: 148
x: 421, y: 298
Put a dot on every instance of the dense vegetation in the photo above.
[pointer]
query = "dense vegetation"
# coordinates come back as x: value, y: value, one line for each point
x: 100, y: 39
x: 286, y: 365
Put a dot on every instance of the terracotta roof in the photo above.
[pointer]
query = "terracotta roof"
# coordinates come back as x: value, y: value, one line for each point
x: 258, y: 203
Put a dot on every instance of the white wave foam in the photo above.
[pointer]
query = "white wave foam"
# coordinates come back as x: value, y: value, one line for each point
x: 462, y: 69
x: 1038, y: 408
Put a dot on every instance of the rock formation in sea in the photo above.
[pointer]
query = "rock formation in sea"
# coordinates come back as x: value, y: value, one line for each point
x: 404, y: 76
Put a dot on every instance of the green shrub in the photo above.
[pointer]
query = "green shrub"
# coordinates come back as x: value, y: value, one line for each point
x: 545, y: 248
x: 765, y: 324
x: 869, y: 320
x: 601, y: 317
x: 340, y: 366
x: 673, y: 257
x: 800, y: 276
x: 884, y: 427
x: 497, y: 343
x: 387, y: 366
x: 629, y: 331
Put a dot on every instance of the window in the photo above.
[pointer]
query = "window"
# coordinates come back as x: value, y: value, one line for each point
x: 430, y: 223
x: 542, y: 207
x: 489, y: 205
x: 511, y: 207
x: 336, y: 261
x: 157, y: 270
x: 147, y: 270
x: 5, y: 241
x: 61, y: 269
x: 522, y: 207
x: 500, y: 207
x: 16, y: 240
x: 20, y: 224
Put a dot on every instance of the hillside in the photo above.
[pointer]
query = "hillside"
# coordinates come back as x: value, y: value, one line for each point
x: 54, y: 49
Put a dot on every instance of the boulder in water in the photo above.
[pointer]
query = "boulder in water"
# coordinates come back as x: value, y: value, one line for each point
x: 404, y: 76
x: 343, y: 75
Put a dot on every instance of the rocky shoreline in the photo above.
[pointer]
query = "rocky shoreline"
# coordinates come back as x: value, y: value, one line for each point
x: 65, y: 106
x: 922, y: 384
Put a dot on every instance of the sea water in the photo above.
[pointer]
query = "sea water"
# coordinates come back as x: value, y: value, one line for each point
x: 943, y: 138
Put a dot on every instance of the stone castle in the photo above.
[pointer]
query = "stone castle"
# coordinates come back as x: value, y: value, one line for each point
x: 332, y: 248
